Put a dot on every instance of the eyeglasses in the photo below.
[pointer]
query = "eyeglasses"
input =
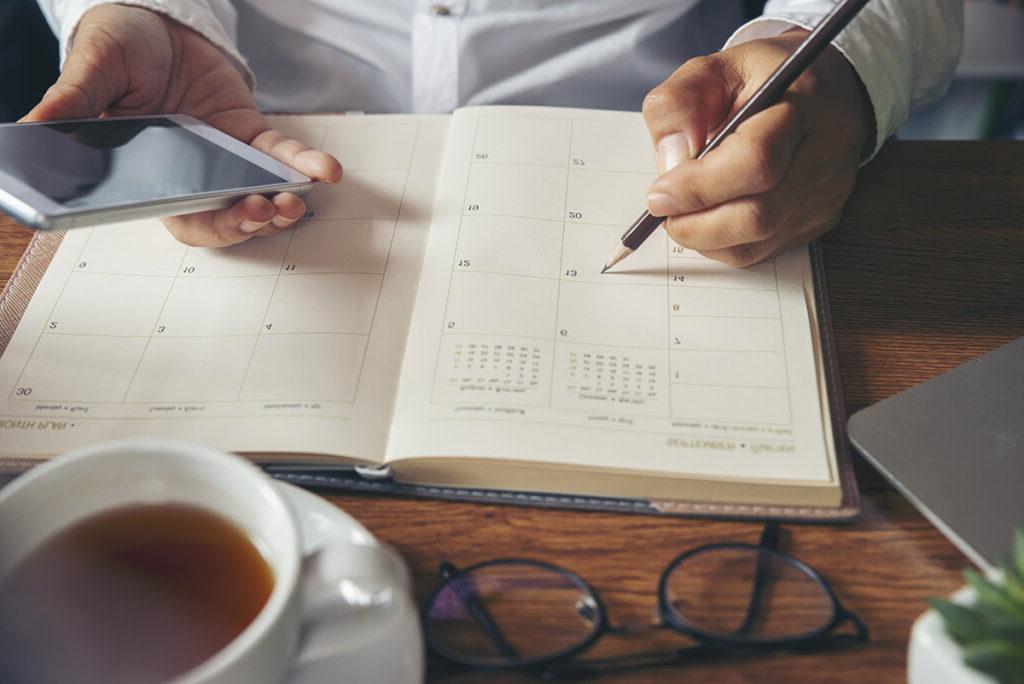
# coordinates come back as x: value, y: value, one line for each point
x: 510, y: 613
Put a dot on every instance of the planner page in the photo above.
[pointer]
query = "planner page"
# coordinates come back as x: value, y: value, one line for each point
x: 290, y: 343
x: 521, y: 349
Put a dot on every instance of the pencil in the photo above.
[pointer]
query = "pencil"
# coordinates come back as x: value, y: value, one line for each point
x: 767, y: 95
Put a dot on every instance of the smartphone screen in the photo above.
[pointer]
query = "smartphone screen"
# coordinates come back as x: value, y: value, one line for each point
x: 94, y: 164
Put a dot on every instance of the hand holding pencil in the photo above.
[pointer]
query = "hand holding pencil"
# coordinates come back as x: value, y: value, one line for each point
x: 782, y: 176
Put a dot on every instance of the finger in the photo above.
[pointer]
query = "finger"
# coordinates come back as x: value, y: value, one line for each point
x: 742, y: 256
x: 94, y: 76
x: 223, y: 227
x: 752, y: 160
x: 692, y: 101
x: 807, y: 203
x: 758, y: 217
x: 244, y: 124
x: 63, y: 101
x: 289, y: 208
x: 249, y: 126
x: 301, y: 157
x: 742, y: 221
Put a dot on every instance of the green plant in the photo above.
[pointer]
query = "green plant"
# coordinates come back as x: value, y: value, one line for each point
x: 991, y: 631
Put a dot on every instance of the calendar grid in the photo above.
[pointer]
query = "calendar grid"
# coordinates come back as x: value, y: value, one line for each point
x: 561, y: 263
x: 562, y: 166
x: 266, y: 312
x: 199, y: 337
x: 230, y: 277
x: 149, y: 338
x: 668, y: 329
x: 782, y: 324
x: 613, y: 346
x: 446, y: 323
x: 129, y: 328
x: 387, y: 260
x: 154, y: 309
x: 501, y: 255
x: 49, y: 317
x: 519, y: 216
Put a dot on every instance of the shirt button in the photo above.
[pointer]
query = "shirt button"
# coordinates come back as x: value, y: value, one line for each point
x: 440, y: 10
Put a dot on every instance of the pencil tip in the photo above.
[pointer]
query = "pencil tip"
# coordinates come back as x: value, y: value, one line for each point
x: 621, y: 253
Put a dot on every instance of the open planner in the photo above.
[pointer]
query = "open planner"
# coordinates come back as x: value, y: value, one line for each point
x: 439, y: 319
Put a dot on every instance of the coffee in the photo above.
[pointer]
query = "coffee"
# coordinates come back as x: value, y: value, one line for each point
x: 136, y: 594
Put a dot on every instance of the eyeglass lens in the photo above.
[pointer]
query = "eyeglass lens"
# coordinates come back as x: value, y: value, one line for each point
x: 748, y: 593
x: 506, y: 613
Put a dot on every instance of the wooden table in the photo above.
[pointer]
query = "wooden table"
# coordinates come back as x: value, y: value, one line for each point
x: 925, y: 271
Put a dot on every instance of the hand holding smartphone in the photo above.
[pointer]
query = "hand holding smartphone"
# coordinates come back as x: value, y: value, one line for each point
x: 130, y: 61
x: 59, y: 175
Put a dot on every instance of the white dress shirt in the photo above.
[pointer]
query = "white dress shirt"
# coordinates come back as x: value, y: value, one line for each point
x: 435, y: 55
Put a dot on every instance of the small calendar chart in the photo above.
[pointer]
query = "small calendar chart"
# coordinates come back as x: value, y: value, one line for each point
x: 618, y: 377
x: 482, y: 367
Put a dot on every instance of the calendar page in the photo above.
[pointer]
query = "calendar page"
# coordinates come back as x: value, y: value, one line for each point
x: 521, y: 349
x: 289, y: 343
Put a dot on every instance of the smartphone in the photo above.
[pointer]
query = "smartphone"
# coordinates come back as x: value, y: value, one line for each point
x: 62, y: 174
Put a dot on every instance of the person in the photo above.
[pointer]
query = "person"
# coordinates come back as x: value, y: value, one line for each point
x: 780, y: 180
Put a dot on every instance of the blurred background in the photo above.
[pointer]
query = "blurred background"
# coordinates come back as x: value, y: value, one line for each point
x: 986, y: 98
x: 985, y: 101
x: 28, y: 57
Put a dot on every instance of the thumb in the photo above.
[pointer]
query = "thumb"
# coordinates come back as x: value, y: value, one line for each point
x: 693, y: 101
x: 92, y: 79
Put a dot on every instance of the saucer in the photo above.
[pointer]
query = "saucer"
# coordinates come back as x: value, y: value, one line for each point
x: 388, y: 649
x: 322, y: 522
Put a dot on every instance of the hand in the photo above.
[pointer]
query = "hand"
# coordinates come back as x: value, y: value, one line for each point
x: 782, y: 177
x: 128, y: 61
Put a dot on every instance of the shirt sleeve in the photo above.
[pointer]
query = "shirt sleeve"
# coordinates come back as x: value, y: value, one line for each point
x: 904, y: 51
x: 215, y: 20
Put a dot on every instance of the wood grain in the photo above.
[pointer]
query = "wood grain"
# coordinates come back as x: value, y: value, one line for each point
x: 925, y: 272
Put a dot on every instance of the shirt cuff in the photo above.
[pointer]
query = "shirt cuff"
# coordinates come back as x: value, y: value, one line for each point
x: 882, y: 92
x: 195, y: 14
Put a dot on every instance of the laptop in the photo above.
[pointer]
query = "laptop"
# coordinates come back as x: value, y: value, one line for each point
x: 954, y: 446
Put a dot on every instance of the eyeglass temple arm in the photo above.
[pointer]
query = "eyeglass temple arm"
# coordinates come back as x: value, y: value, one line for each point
x: 478, y: 612
x: 769, y: 540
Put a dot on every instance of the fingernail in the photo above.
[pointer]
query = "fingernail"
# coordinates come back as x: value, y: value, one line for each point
x: 672, y: 149
x: 660, y: 204
x: 252, y: 226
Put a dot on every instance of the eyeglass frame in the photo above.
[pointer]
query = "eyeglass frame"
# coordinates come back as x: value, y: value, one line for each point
x: 668, y: 617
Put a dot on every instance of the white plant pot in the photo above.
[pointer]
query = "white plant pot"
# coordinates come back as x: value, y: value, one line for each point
x: 934, y: 658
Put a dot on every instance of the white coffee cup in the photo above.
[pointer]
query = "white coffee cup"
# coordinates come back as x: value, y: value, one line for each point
x: 346, y: 582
